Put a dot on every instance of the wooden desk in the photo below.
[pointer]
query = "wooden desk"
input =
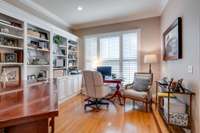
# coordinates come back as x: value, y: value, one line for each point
x: 117, y: 92
x: 29, y: 109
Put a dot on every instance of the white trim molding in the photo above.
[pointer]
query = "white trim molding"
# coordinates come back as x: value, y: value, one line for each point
x: 36, y: 7
x: 163, y: 4
x: 44, y: 11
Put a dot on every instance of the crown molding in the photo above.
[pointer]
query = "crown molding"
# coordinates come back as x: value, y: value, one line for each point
x: 36, y: 7
x: 163, y: 4
x: 111, y: 21
x: 44, y: 11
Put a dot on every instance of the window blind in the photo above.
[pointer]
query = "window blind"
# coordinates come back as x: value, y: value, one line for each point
x: 110, y: 54
x: 116, y: 50
x: 129, y: 61
x: 90, y: 52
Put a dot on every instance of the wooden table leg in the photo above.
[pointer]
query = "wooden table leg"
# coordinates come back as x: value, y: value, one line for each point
x: 117, y: 94
x: 52, y: 122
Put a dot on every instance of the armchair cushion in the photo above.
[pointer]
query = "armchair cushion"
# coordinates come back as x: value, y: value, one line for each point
x: 134, y: 93
x: 141, y: 84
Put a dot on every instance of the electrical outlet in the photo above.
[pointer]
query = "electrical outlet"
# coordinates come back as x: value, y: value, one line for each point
x: 190, y: 69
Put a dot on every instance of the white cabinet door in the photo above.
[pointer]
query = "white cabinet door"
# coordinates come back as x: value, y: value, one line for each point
x: 61, y: 89
x: 70, y: 86
x: 76, y: 84
x: 80, y: 82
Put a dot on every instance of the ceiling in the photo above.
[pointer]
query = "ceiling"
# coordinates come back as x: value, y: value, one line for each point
x: 94, y: 13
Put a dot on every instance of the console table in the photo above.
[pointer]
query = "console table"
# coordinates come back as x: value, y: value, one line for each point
x: 28, y: 109
x: 170, y: 94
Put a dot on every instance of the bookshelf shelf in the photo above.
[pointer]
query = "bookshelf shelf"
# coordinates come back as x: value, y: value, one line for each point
x: 14, y: 27
x: 10, y: 63
x: 37, y: 38
x: 59, y: 68
x: 38, y: 49
x: 38, y: 65
x: 70, y: 51
x: 60, y: 55
x: 11, y: 47
x: 10, y: 35
x: 62, y: 46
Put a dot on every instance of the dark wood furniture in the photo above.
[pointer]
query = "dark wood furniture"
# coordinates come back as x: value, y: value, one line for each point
x: 169, y: 93
x: 28, y: 109
x: 147, y: 99
x: 117, y: 93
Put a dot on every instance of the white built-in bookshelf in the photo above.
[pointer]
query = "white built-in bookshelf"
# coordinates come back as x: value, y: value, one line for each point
x: 38, y: 54
x: 32, y: 48
x: 73, y: 56
x: 59, y: 55
x: 11, y: 43
x: 65, y: 55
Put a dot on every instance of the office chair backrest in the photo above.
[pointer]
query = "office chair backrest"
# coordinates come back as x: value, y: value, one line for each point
x: 93, y: 80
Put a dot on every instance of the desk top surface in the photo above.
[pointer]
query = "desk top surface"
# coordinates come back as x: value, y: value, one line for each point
x: 112, y: 80
x: 166, y: 90
x: 28, y: 102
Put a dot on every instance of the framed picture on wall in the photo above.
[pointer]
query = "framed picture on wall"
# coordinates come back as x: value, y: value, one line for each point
x: 172, y: 39
x: 13, y: 74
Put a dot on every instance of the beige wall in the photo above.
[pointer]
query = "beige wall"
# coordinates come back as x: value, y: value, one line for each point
x: 150, y: 38
x: 189, y: 10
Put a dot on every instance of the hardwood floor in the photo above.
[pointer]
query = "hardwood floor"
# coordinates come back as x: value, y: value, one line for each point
x: 73, y: 119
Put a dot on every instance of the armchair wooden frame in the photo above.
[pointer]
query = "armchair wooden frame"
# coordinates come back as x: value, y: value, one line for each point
x: 147, y: 101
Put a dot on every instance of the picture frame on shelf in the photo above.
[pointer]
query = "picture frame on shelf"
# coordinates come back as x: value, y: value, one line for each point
x: 43, y: 35
x: 13, y: 75
x: 172, y: 39
x: 10, y: 57
x: 42, y: 75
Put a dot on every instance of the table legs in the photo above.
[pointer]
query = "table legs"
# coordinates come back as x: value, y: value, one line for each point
x: 117, y: 94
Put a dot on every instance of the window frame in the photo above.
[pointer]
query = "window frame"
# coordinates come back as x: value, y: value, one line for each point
x: 120, y: 35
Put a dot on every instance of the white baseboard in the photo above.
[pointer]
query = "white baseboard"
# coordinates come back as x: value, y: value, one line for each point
x: 68, y: 97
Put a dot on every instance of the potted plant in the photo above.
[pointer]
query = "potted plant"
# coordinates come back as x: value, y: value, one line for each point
x: 58, y: 40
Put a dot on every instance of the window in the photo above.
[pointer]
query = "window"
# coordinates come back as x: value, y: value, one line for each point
x: 109, y: 53
x: 129, y: 61
x: 118, y: 50
x: 90, y: 52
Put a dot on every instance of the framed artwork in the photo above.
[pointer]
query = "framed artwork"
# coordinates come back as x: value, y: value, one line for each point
x: 172, y: 39
x: 13, y: 75
x: 10, y: 57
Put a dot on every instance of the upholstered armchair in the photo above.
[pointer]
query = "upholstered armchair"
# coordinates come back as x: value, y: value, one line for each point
x: 140, y: 89
x: 95, y: 89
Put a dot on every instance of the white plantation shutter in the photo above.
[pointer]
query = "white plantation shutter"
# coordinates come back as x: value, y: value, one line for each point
x: 129, y: 61
x: 90, y: 52
x: 109, y: 53
x: 116, y: 50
